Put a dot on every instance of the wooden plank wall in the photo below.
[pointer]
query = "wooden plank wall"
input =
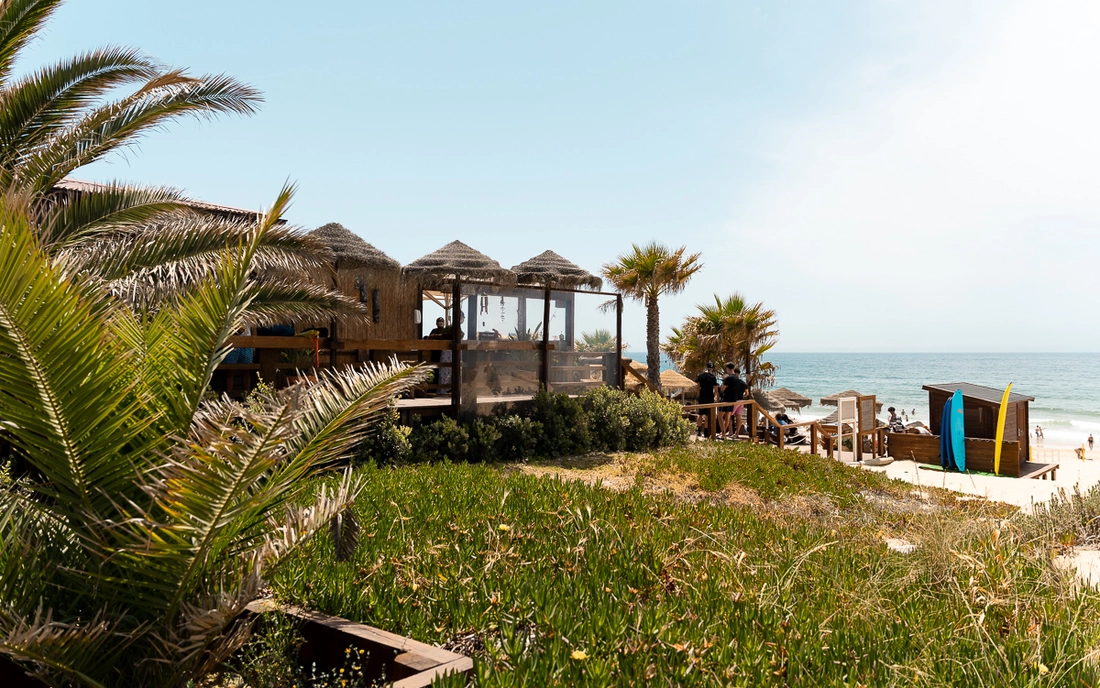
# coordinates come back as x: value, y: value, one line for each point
x: 979, y: 452
x: 397, y: 304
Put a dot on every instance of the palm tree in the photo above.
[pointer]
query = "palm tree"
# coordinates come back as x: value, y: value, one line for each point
x: 645, y: 274
x: 130, y: 239
x: 599, y: 341
x: 730, y: 329
x: 151, y: 515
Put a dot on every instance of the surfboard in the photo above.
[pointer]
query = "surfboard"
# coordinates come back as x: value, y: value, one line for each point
x: 946, y: 460
x: 958, y: 431
x: 1002, y: 415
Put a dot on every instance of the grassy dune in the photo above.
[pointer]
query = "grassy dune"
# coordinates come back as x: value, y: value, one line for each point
x: 707, y: 565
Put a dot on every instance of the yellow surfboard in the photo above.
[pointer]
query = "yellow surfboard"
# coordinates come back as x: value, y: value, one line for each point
x: 1001, y: 430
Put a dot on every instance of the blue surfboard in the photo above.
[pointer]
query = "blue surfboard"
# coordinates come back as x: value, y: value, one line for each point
x: 958, y: 431
x: 946, y: 460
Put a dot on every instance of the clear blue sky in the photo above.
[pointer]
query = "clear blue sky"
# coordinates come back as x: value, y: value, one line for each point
x: 929, y: 169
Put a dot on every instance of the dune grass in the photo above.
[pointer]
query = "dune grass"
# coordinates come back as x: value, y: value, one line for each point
x: 561, y: 582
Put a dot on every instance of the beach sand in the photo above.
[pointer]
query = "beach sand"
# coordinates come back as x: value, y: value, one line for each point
x: 1020, y: 492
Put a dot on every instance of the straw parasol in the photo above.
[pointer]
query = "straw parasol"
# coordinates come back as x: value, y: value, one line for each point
x: 768, y: 401
x: 674, y: 382
x: 350, y: 250
x: 831, y: 400
x: 457, y: 260
x: 791, y: 399
x: 551, y: 269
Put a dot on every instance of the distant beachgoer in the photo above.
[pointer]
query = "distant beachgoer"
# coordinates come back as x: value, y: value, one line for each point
x: 895, y: 422
x: 1080, y: 452
x: 707, y: 382
x: 1090, y: 441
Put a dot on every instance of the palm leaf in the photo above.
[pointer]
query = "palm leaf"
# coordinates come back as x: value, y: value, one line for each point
x: 75, y: 220
x: 20, y: 20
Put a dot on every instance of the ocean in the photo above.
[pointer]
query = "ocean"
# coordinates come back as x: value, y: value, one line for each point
x: 1066, y: 387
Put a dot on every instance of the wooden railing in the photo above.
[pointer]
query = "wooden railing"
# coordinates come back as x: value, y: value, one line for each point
x: 823, y: 435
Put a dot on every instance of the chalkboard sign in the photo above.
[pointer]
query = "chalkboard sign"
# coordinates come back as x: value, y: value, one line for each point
x: 867, y: 413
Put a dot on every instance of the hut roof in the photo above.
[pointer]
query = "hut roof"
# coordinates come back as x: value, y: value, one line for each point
x: 78, y: 186
x: 791, y: 398
x: 980, y: 392
x: 831, y: 400
x: 350, y: 249
x: 768, y: 401
x: 456, y: 260
x: 550, y: 268
x: 671, y: 380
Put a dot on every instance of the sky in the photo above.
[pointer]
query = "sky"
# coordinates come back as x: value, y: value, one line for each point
x: 886, y: 175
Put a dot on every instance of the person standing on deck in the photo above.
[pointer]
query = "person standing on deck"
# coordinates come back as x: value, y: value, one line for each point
x: 733, y: 390
x: 707, y: 382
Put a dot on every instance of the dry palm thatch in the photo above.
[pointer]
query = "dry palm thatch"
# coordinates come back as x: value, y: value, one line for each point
x: 831, y: 400
x: 768, y: 401
x: 350, y: 250
x: 671, y: 381
x: 548, y: 268
x: 456, y: 260
x: 791, y: 398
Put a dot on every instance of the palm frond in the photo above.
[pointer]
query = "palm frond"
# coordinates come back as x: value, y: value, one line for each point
x: 109, y: 127
x: 76, y: 220
x: 20, y: 20
x: 64, y: 648
x: 53, y: 344
x: 40, y: 104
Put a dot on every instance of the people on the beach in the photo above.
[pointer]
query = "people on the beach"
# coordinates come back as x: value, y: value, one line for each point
x: 733, y: 390
x: 707, y: 382
x: 895, y: 422
x: 1090, y: 441
x: 1038, y: 435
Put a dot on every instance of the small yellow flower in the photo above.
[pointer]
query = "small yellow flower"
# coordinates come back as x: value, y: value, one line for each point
x: 1043, y: 668
x: 579, y: 655
x: 503, y: 527
x: 341, y: 671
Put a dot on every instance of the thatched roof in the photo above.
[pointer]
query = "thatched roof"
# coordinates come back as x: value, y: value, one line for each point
x: 457, y: 260
x: 550, y: 268
x: 350, y: 249
x: 77, y: 186
x: 831, y: 400
x: 768, y: 401
x: 672, y: 381
x: 791, y: 399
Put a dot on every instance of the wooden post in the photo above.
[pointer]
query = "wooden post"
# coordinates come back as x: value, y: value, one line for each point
x: 779, y: 431
x: 752, y: 422
x: 544, y: 369
x: 813, y: 439
x: 333, y: 344
x: 619, y: 345
x: 456, y: 353
x: 712, y: 422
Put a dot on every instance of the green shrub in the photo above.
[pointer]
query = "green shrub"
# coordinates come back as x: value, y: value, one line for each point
x: 618, y: 420
x: 519, y: 437
x: 443, y: 439
x: 564, y: 424
x: 389, y: 443
x: 483, y: 440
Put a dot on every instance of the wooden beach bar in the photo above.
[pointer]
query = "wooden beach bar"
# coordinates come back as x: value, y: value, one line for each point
x: 981, y: 406
x: 491, y: 335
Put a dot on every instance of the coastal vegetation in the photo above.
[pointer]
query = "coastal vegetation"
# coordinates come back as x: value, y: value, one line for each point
x: 729, y: 330
x: 646, y: 273
x: 597, y: 341
x: 726, y: 564
x: 146, y: 515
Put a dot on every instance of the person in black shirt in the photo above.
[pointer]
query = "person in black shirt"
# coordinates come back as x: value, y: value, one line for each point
x: 733, y: 390
x: 707, y: 383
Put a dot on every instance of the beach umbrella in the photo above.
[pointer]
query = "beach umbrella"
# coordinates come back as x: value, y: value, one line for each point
x: 454, y: 261
x: 674, y: 382
x: 768, y: 401
x: 548, y: 268
x: 791, y: 398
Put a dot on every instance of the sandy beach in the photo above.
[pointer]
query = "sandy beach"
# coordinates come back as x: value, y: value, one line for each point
x: 1021, y: 492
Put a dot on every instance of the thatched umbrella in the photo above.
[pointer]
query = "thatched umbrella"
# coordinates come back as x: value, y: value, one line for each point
x: 548, y: 268
x: 768, y: 401
x: 350, y: 249
x: 457, y: 260
x: 791, y: 399
x: 831, y: 400
x: 673, y: 383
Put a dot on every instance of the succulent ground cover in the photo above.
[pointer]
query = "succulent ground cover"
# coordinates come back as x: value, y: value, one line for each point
x: 561, y: 580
